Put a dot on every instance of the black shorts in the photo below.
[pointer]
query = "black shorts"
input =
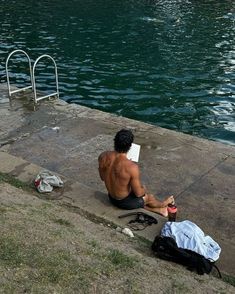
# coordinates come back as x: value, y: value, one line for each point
x: 130, y: 202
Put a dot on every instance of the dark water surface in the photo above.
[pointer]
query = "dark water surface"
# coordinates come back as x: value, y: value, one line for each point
x: 169, y: 63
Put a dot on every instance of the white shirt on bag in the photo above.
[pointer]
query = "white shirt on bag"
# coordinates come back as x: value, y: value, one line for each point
x: 189, y: 236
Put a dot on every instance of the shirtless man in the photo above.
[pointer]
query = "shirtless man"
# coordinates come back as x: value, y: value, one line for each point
x: 122, y: 178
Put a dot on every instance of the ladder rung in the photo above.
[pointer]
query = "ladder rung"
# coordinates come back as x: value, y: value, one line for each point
x: 47, y: 96
x: 21, y: 89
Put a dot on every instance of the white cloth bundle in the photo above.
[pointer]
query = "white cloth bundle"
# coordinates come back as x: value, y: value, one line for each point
x: 45, y: 181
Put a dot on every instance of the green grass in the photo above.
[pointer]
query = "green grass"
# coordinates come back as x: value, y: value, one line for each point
x: 94, y: 244
x: 47, y: 266
x: 179, y: 287
x: 10, y: 252
x: 7, y: 178
x: 228, y: 279
x: 62, y: 222
x: 121, y: 260
x: 40, y: 264
x: 3, y: 209
x: 44, y: 266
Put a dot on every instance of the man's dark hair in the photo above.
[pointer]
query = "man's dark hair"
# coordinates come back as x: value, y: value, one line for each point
x: 123, y: 141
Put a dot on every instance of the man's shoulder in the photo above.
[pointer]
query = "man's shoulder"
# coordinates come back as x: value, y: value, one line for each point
x: 105, y: 154
x: 132, y: 165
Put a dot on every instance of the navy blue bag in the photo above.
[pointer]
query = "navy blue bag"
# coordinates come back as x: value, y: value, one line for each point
x: 167, y: 249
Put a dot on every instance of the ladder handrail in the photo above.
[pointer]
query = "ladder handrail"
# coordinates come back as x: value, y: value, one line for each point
x: 7, y: 73
x: 34, y: 82
x: 32, y: 76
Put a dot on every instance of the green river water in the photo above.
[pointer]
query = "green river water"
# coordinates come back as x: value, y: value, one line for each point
x: 168, y: 63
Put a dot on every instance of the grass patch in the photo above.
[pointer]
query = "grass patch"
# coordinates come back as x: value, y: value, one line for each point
x: 62, y: 222
x: 46, y: 205
x: 94, y: 244
x: 94, y: 218
x: 179, y: 287
x: 3, y: 209
x: 228, y: 279
x: 121, y: 260
x: 132, y: 287
x: 43, y: 266
x: 7, y: 178
x: 10, y: 252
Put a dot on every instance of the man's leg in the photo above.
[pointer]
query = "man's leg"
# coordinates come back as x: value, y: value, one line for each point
x: 152, y: 202
x: 157, y: 206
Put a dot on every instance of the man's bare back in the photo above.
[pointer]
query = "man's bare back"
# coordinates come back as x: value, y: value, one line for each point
x: 121, y: 175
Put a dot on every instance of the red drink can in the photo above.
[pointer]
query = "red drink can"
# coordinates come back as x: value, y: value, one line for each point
x: 172, y: 211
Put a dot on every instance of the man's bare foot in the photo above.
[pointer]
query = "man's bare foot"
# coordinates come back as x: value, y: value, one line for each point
x: 169, y: 200
x: 163, y: 211
x: 160, y: 210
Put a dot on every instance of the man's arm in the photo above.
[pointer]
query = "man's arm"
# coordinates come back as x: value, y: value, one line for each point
x: 135, y: 183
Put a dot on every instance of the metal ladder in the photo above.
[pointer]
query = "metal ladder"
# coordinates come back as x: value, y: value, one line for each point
x: 7, y: 72
x: 32, y: 77
x: 36, y: 99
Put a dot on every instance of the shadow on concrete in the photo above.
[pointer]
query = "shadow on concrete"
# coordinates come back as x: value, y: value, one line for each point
x: 102, y: 197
